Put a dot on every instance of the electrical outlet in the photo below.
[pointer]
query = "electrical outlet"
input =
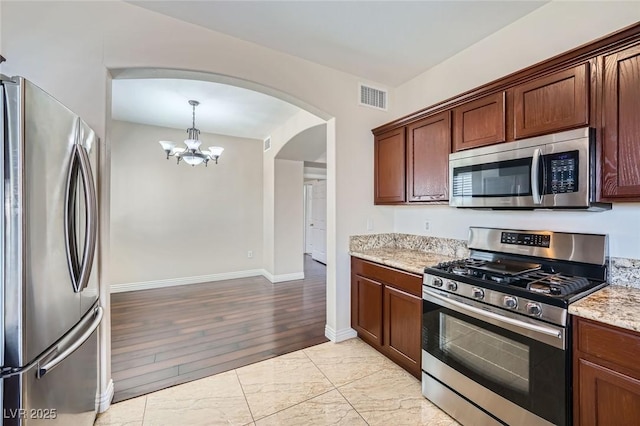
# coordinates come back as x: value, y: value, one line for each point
x: 369, y: 224
x: 250, y: 254
x: 427, y: 225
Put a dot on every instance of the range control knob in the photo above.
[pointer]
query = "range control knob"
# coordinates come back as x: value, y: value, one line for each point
x: 510, y: 302
x: 534, y: 309
x: 437, y: 282
x: 452, y: 286
x: 477, y: 293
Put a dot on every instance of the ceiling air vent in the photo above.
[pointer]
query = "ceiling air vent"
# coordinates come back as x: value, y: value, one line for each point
x: 372, y: 97
x: 267, y: 144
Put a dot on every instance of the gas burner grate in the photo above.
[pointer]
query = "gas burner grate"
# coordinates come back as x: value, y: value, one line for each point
x: 554, y: 284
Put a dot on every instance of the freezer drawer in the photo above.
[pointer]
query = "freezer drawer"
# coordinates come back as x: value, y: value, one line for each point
x: 64, y: 394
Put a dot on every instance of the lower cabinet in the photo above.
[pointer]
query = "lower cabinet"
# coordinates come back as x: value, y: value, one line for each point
x: 606, y: 375
x: 386, y: 311
x: 366, y: 309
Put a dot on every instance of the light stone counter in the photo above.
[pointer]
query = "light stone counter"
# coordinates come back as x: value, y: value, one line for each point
x: 617, y: 304
x: 405, y: 259
x: 614, y: 305
x: 411, y: 253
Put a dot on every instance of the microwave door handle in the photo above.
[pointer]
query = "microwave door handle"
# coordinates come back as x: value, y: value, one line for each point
x: 535, y: 176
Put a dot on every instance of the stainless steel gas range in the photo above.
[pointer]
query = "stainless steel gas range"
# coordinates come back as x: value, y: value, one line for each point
x: 496, y: 339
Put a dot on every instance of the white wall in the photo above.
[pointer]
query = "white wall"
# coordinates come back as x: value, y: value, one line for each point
x: 289, y: 218
x: 279, y: 138
x: 68, y: 47
x: 178, y: 221
x: 548, y: 31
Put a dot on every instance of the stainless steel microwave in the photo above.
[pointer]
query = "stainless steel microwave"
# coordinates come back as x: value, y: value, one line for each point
x: 546, y: 172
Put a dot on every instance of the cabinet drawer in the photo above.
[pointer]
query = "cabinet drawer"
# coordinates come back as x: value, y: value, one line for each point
x: 609, y: 343
x: 410, y: 283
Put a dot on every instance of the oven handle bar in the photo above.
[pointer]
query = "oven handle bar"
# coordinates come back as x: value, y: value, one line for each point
x: 497, y: 318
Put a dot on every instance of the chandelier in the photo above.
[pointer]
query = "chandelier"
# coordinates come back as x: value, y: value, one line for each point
x: 192, y: 154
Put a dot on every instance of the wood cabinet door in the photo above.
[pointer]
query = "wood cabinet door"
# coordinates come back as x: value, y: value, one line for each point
x: 428, y: 148
x: 621, y: 124
x: 606, y: 397
x: 479, y: 123
x: 402, y: 328
x: 549, y: 104
x: 389, y: 168
x: 366, y: 309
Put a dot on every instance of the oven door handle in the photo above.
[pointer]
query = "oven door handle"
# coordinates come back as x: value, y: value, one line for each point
x: 497, y: 319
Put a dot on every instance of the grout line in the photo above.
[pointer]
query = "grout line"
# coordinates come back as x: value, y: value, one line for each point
x: 298, y: 403
x: 320, y: 370
x: 351, y: 405
x: 351, y: 381
x: 144, y: 412
x: 245, y: 395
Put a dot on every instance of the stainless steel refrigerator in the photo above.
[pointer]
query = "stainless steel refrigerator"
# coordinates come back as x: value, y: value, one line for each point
x: 49, y: 304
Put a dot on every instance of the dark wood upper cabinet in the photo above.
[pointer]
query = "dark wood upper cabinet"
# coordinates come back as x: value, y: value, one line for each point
x: 428, y: 148
x: 596, y: 85
x: 389, y: 168
x: 480, y: 122
x: 621, y: 124
x: 552, y: 103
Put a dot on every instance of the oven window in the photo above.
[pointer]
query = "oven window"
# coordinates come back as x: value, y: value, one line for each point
x: 527, y: 372
x: 500, y: 179
x: 497, y: 358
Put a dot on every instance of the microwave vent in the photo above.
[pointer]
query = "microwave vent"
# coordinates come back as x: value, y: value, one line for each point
x: 372, y: 97
x: 462, y: 185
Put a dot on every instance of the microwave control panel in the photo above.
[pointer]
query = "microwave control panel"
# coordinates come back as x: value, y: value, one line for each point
x: 562, y: 172
x: 520, y: 239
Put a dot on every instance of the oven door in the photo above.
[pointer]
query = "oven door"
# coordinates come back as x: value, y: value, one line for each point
x: 516, y: 369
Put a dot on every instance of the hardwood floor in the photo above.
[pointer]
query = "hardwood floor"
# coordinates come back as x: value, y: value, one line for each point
x: 163, y: 337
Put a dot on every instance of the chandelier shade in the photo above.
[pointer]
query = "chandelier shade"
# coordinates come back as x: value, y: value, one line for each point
x: 192, y: 155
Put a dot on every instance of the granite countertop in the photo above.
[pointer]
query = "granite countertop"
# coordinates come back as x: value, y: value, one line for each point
x: 614, y: 305
x: 405, y: 259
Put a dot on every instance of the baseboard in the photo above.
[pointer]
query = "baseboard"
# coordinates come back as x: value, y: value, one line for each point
x: 283, y: 277
x: 340, y: 335
x: 103, y: 400
x: 146, y: 285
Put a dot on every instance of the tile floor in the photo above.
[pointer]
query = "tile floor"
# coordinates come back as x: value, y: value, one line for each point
x: 348, y: 383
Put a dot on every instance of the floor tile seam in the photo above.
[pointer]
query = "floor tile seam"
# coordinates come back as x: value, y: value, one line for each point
x: 297, y: 403
x: 144, y: 412
x: 351, y: 405
x: 253, y: 419
x: 360, y: 378
x: 319, y: 369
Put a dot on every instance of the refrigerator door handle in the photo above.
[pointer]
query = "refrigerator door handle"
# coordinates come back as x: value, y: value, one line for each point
x: 91, y: 207
x: 51, y: 364
x: 70, y: 219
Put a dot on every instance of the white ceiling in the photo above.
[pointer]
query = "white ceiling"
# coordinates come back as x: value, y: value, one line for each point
x: 385, y: 41
x: 308, y: 145
x: 388, y: 42
x: 223, y: 109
